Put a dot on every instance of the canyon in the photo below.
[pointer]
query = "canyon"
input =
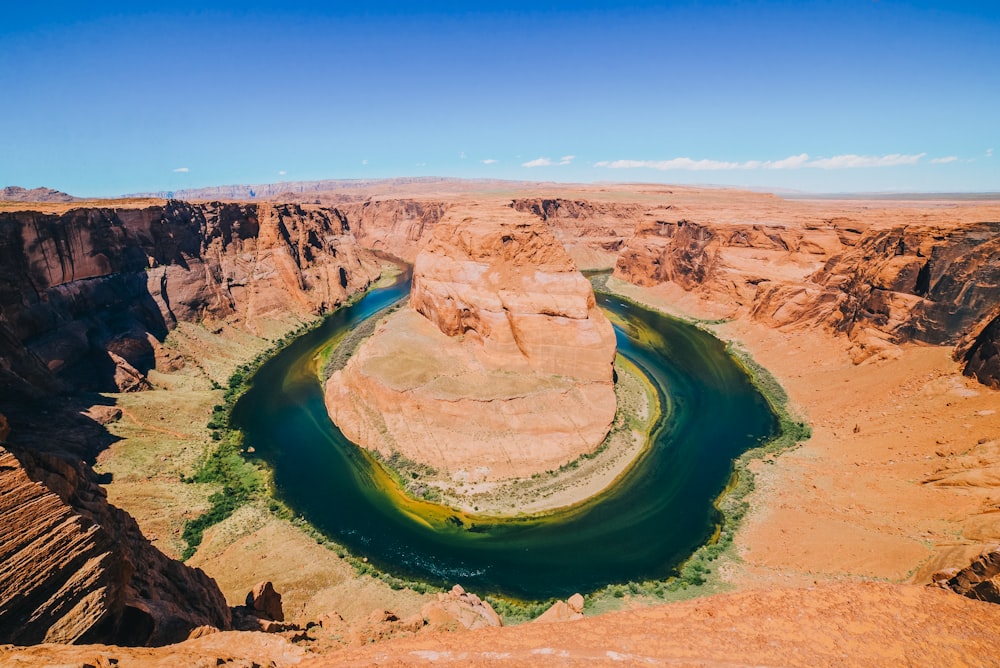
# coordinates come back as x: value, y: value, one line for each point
x: 879, y: 318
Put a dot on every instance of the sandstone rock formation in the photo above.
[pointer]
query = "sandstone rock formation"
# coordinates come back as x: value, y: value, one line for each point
x: 879, y: 286
x: 88, y: 293
x: 459, y: 609
x: 265, y: 602
x: 397, y: 226
x: 503, y: 366
x: 563, y: 611
x: 592, y: 232
x: 979, y: 580
x: 74, y: 569
x: 980, y: 352
x: 847, y: 624
x: 85, y: 297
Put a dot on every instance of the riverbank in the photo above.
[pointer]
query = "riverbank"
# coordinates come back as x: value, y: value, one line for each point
x: 899, y: 478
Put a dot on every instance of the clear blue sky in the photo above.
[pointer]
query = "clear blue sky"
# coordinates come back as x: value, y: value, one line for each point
x: 104, y: 99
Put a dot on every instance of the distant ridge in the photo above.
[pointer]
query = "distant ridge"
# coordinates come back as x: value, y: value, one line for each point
x: 904, y: 196
x: 19, y: 194
x: 359, y: 187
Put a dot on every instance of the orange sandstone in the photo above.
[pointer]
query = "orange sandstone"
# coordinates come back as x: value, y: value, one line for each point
x: 500, y: 368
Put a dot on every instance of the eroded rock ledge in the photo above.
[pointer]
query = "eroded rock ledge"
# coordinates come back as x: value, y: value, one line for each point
x: 502, y: 365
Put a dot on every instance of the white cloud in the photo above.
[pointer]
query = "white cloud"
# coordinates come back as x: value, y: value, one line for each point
x: 791, y: 162
x: 944, y: 161
x: 181, y: 170
x: 851, y: 161
x: 462, y: 155
x: 989, y: 153
x: 538, y: 162
x: 488, y: 161
x: 364, y: 162
x: 566, y: 159
x: 281, y: 172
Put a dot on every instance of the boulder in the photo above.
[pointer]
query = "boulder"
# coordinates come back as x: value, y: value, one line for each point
x: 265, y: 602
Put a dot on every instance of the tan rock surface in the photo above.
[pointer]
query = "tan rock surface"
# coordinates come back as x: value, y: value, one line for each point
x: 834, y: 625
x: 74, y: 569
x: 503, y: 367
x: 459, y: 609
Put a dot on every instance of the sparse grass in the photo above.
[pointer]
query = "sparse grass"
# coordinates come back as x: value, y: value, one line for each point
x: 224, y: 465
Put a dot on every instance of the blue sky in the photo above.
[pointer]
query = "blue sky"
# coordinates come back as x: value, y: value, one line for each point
x: 856, y: 95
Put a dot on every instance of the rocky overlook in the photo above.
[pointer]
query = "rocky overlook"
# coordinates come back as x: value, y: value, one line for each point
x: 502, y: 365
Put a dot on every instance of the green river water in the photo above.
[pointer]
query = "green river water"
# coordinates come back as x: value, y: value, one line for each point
x: 656, y: 515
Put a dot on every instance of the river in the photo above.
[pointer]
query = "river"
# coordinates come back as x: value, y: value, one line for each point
x: 657, y: 514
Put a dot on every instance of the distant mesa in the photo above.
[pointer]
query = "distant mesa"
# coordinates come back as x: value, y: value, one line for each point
x: 19, y: 194
x: 501, y: 366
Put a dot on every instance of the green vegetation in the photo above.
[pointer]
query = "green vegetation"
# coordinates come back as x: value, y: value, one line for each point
x: 516, y: 612
x: 224, y: 464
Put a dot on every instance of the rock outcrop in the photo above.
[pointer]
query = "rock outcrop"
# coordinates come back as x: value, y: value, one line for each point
x: 979, y: 580
x: 397, y: 227
x: 592, y: 232
x: 85, y: 299
x: 459, y: 609
x: 502, y: 367
x: 563, y: 611
x: 880, y: 287
x: 265, y: 602
x: 979, y: 351
x: 74, y: 569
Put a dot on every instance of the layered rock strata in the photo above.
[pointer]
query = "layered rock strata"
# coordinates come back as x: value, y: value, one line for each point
x: 879, y: 287
x: 75, y: 569
x: 592, y: 232
x: 86, y: 297
x: 500, y: 368
x: 89, y: 293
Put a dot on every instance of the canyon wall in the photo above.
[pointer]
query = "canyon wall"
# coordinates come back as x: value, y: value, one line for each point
x: 75, y: 569
x: 91, y: 292
x: 397, y: 227
x: 592, y: 232
x: 880, y: 287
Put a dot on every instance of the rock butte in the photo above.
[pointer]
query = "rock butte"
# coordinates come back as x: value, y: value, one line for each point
x: 501, y: 367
